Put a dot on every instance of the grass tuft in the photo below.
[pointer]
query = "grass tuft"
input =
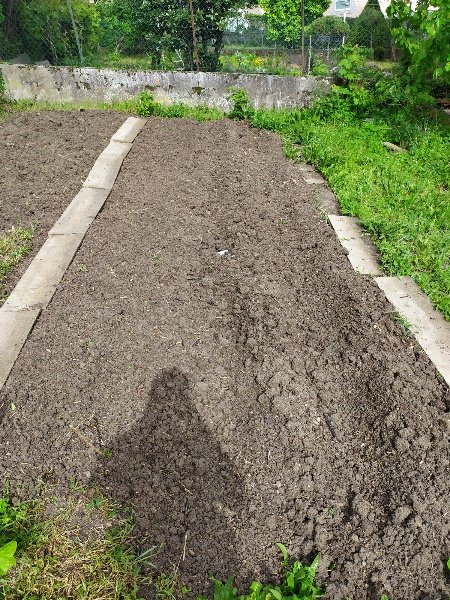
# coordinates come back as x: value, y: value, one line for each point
x: 71, y: 551
x: 14, y: 246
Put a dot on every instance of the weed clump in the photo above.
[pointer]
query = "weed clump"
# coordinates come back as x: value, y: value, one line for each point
x: 77, y: 550
x: 14, y: 246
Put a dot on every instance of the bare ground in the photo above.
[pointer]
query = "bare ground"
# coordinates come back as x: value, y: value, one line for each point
x: 264, y: 395
x: 44, y: 159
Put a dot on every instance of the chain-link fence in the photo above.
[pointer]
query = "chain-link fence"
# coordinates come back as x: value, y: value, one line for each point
x: 134, y: 35
x: 318, y: 57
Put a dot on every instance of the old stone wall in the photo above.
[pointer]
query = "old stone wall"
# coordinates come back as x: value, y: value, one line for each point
x: 78, y: 85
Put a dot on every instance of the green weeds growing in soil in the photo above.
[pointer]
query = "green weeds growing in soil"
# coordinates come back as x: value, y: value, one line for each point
x: 298, y: 583
x: 69, y: 551
x: 14, y: 246
x: 80, y: 549
x: 147, y: 107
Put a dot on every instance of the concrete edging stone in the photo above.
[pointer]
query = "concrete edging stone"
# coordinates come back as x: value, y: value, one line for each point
x: 37, y: 286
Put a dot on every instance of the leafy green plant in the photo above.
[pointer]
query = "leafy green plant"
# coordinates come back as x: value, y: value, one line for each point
x: 371, y: 30
x: 320, y: 69
x: 67, y: 551
x: 146, y: 105
x: 298, y: 583
x: 14, y: 246
x: 422, y: 33
x: 7, y: 560
x: 242, y: 108
x: 328, y: 26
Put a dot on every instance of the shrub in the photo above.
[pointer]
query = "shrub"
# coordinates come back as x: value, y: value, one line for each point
x: 371, y: 30
x: 242, y: 108
x: 328, y: 26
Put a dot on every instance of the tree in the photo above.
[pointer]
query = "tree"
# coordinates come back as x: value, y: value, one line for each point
x: 283, y: 17
x: 156, y: 26
x: 371, y: 30
x: 423, y: 37
x: 45, y: 29
x: 328, y: 26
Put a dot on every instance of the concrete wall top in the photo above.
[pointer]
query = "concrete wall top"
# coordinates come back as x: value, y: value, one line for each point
x: 82, y: 84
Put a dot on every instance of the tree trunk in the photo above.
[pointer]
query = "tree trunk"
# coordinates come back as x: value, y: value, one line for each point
x: 10, y: 12
x: 217, y: 48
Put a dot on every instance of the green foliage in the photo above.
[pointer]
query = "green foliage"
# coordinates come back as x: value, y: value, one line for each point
x: 328, y: 26
x: 283, y: 17
x: 7, y: 560
x: 242, y: 108
x: 117, y: 30
x: 146, y: 106
x: 364, y: 91
x: 14, y: 246
x: 45, y: 29
x: 298, y: 583
x: 68, y: 552
x: 371, y: 30
x: 402, y: 199
x: 423, y: 36
x: 164, y: 26
x: 320, y: 69
x: 247, y: 62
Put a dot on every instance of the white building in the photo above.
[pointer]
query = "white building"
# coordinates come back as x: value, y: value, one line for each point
x: 351, y: 8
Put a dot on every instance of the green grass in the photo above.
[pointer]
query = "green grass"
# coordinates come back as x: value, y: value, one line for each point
x: 402, y: 199
x: 14, y: 246
x: 71, y: 550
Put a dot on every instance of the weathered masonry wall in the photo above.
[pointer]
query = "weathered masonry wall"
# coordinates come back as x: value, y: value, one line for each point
x: 77, y: 85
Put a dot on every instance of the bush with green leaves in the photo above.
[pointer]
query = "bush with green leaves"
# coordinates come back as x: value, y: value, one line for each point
x: 329, y: 26
x: 423, y: 36
x: 242, y: 108
x: 45, y: 29
x: 371, y: 30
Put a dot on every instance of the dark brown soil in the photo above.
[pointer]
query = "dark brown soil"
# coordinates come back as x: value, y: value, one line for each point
x: 44, y: 159
x: 264, y: 395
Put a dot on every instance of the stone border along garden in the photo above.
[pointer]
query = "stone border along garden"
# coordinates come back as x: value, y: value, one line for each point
x: 428, y: 326
x: 36, y: 288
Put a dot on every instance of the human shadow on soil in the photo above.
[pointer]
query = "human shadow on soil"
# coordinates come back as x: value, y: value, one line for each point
x: 185, y: 491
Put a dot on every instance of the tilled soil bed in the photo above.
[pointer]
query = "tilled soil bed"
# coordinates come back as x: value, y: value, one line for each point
x: 44, y: 159
x: 258, y: 395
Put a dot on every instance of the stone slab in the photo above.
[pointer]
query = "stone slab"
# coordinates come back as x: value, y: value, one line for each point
x: 107, y: 166
x: 38, y: 284
x: 328, y: 201
x: 429, y: 327
x: 314, y: 179
x: 129, y: 130
x: 14, y: 330
x: 361, y: 252
x: 306, y: 168
x: 80, y: 213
